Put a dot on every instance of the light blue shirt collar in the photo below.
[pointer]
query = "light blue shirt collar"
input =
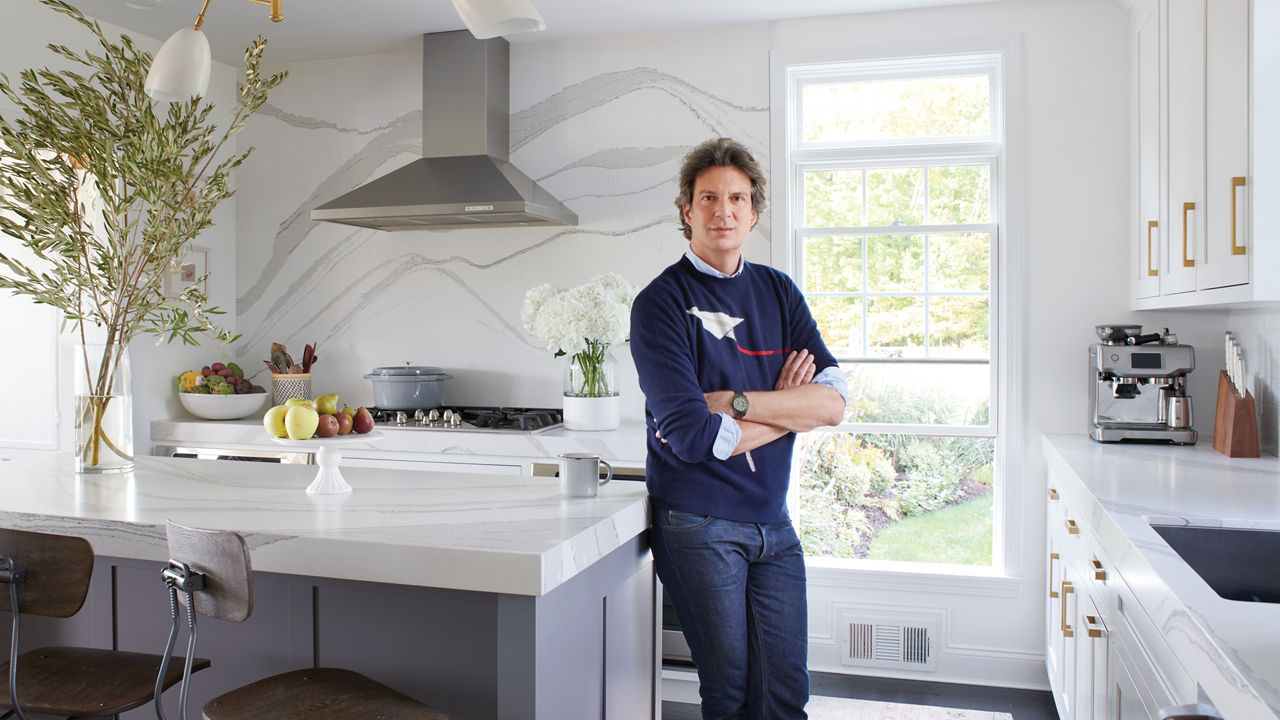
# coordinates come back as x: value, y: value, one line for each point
x: 705, y: 268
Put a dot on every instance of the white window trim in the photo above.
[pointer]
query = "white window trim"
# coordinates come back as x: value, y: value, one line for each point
x: 1016, y: 492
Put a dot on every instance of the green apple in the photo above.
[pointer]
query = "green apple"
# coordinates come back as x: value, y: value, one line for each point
x: 301, y: 422
x: 274, y: 421
x: 327, y: 404
x: 300, y: 402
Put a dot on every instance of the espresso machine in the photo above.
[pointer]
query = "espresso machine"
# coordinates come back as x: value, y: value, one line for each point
x: 1138, y: 386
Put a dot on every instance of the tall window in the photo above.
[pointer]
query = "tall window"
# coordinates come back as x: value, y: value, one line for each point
x: 893, y: 235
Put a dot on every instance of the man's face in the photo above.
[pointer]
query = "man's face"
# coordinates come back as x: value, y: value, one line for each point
x: 721, y: 214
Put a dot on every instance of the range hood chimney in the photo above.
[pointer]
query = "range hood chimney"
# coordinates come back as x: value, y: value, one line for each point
x: 463, y: 179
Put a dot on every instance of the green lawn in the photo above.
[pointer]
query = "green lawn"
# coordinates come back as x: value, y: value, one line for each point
x: 959, y: 534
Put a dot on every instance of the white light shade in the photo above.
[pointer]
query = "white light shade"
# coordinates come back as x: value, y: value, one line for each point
x: 491, y: 18
x: 181, y: 69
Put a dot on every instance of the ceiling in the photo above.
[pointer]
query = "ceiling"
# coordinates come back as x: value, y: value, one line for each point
x: 321, y: 29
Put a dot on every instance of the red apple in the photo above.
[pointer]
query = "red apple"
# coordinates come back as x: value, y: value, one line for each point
x: 344, y: 423
x: 362, y: 422
x: 328, y: 426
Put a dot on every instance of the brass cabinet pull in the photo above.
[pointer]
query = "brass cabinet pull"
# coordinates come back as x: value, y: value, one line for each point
x: 1053, y: 493
x: 1052, y: 593
x: 1151, y: 225
x: 1236, y: 184
x: 1072, y: 528
x: 1098, y: 572
x: 1186, y: 208
x: 1067, y: 589
x: 1094, y: 626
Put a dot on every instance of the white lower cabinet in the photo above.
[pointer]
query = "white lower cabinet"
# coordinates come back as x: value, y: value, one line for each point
x: 1104, y: 658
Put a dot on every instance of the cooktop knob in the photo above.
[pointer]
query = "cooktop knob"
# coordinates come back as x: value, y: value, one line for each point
x: 401, y: 417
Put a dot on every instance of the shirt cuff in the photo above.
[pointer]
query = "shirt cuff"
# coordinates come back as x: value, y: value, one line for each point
x: 833, y: 377
x: 728, y: 437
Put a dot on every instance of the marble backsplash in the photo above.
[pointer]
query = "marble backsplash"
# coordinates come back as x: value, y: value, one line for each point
x: 606, y: 141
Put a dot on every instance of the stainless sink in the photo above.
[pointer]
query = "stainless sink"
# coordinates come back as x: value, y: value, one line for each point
x: 1239, y: 564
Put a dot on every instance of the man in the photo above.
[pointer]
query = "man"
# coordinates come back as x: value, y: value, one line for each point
x: 731, y: 365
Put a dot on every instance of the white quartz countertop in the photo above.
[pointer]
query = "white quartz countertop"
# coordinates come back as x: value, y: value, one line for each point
x: 1231, y: 648
x: 625, y: 445
x: 488, y: 533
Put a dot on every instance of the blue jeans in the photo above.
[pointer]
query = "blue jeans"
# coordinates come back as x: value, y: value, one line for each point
x: 738, y: 589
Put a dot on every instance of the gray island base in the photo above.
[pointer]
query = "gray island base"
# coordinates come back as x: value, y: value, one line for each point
x: 485, y: 596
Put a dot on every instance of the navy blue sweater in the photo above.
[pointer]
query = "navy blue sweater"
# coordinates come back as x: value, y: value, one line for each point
x: 693, y: 333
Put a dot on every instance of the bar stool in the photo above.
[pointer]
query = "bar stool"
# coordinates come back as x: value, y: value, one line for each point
x: 48, y: 575
x: 210, y: 571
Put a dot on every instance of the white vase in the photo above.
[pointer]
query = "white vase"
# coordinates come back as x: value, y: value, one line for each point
x: 591, y: 400
x: 592, y: 413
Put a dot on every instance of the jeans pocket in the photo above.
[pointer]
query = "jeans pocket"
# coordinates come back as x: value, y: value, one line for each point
x: 676, y: 520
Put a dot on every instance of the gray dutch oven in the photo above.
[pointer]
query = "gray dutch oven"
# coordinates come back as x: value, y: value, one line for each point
x: 407, y: 387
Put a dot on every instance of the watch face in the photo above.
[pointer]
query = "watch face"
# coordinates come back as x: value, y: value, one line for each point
x: 740, y: 404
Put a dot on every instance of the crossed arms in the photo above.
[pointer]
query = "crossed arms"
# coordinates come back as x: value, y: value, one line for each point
x: 794, y: 405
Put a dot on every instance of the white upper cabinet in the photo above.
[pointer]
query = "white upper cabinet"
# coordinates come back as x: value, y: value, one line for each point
x: 1148, y: 259
x: 1203, y: 84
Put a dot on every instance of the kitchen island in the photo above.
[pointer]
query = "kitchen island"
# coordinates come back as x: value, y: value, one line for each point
x: 486, y: 596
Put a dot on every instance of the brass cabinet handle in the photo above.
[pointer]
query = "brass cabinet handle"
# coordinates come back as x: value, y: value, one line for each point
x: 1067, y: 589
x: 1053, y: 493
x: 1093, y: 625
x: 1186, y: 208
x: 1072, y: 527
x: 1052, y: 593
x: 1098, y: 572
x: 1236, y: 184
x: 1151, y: 225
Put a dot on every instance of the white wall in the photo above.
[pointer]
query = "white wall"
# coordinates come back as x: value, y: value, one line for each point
x: 27, y: 28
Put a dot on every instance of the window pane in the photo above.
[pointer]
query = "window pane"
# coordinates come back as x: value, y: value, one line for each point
x: 895, y: 263
x: 958, y: 326
x: 957, y: 106
x: 832, y: 264
x: 895, y: 326
x: 960, y: 194
x: 833, y: 198
x: 895, y: 196
x: 897, y: 497
x: 840, y: 322
x: 919, y: 393
x: 960, y: 262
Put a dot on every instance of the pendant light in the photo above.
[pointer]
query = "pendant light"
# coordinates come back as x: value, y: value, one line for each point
x: 180, y: 69
x: 491, y: 18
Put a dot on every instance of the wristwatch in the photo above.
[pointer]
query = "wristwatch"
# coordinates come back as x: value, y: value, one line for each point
x: 740, y: 404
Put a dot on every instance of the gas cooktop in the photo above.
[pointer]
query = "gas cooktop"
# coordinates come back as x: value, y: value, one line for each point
x: 471, y: 419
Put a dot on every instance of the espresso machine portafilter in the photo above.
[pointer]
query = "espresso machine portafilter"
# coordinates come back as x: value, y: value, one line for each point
x: 1138, y: 386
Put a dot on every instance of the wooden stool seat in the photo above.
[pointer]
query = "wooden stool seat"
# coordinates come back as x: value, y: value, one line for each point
x: 86, y: 682
x: 330, y: 693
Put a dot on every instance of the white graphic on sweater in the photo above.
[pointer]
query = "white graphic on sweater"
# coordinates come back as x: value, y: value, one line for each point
x: 716, y: 323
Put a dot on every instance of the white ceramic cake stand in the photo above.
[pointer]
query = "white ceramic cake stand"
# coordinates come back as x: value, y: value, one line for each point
x: 329, y: 480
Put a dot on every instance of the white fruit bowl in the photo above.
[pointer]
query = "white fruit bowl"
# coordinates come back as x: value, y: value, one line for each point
x: 223, y: 407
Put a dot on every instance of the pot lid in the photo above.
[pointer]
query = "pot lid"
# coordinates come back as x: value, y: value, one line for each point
x: 407, y: 370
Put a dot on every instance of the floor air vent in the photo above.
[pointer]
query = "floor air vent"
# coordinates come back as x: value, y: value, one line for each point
x: 887, y: 643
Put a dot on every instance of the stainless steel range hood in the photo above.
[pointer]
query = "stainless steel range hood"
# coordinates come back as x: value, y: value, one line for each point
x: 463, y: 179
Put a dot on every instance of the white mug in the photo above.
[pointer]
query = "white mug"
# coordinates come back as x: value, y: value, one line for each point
x: 580, y: 474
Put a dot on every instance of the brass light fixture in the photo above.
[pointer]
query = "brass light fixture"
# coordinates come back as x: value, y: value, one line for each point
x: 181, y: 68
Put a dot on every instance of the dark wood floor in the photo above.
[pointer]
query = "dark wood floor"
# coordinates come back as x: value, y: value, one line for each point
x: 1022, y: 704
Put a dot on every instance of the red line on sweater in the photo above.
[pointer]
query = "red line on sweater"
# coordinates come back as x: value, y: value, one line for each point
x: 761, y: 352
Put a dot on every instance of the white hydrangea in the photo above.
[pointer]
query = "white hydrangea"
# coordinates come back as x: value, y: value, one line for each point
x: 566, y: 320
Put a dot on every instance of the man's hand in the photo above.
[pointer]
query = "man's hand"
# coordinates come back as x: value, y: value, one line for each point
x: 796, y: 371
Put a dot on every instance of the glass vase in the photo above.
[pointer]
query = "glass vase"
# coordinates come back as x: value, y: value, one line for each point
x: 103, y: 409
x: 591, y: 400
